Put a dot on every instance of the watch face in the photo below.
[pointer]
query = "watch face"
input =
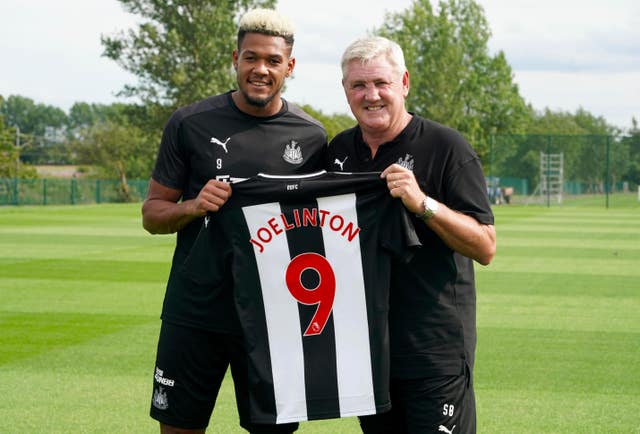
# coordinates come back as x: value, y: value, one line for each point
x: 431, y: 205
x: 430, y: 208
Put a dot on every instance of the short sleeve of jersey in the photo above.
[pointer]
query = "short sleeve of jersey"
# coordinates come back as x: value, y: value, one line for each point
x: 466, y: 192
x: 170, y: 168
x: 464, y: 187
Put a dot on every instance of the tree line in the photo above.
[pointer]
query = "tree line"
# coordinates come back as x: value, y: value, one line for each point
x: 180, y: 53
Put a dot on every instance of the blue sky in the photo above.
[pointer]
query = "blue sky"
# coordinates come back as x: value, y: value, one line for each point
x: 565, y: 54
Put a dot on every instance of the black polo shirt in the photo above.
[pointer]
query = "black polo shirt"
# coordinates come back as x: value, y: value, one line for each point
x: 433, y: 300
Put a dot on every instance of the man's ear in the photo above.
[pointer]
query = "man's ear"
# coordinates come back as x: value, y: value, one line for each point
x: 405, y: 83
x: 234, y: 56
x: 291, y: 64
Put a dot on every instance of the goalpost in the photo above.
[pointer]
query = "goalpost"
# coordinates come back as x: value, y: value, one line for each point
x: 550, y: 185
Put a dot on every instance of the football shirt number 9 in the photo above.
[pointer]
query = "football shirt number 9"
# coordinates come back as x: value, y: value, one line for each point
x: 322, y: 295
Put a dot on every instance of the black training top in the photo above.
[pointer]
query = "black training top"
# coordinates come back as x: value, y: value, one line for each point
x: 213, y: 139
x: 432, y: 315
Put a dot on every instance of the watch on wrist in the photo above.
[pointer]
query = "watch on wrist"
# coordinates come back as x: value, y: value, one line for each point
x: 430, y: 208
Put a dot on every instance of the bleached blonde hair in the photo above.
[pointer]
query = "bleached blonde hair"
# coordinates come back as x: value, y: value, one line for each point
x: 266, y: 22
x: 365, y: 50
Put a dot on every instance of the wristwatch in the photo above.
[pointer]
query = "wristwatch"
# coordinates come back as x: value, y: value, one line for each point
x: 430, y: 209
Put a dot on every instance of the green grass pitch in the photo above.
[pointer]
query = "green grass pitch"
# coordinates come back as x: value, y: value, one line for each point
x: 81, y: 289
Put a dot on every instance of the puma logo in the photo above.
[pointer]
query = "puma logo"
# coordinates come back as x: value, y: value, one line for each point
x: 340, y: 163
x: 444, y: 429
x: 223, y: 144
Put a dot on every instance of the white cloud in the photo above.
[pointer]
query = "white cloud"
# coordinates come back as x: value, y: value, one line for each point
x: 569, y: 54
x: 613, y: 94
x: 565, y: 54
x: 567, y: 35
x: 51, y: 51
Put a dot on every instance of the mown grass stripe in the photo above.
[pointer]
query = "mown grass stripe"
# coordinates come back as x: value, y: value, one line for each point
x: 556, y: 284
x: 28, y: 334
x: 592, y: 250
x: 75, y: 269
x: 582, y: 242
x: 558, y: 360
x: 572, y: 312
x: 554, y: 265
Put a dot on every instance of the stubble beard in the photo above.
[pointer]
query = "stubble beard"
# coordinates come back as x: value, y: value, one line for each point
x: 257, y: 102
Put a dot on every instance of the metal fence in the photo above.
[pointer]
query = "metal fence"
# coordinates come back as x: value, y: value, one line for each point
x: 47, y: 191
x: 553, y: 169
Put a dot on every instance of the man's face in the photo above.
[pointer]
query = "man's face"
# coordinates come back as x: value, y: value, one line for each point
x: 262, y: 63
x: 376, y: 93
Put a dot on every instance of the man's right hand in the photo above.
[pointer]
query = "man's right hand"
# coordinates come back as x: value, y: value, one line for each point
x: 162, y: 213
x: 211, y: 198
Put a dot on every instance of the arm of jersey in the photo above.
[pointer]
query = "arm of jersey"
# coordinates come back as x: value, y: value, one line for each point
x: 162, y: 213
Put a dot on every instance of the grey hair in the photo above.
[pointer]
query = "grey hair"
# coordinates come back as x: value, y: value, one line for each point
x: 367, y: 49
x: 266, y: 22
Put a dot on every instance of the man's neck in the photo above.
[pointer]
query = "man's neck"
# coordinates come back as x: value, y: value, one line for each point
x: 374, y: 139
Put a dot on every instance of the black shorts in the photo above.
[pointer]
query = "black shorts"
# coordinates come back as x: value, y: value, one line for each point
x: 190, y: 367
x: 427, y: 405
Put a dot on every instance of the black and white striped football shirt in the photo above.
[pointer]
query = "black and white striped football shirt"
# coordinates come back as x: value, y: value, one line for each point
x: 311, y: 257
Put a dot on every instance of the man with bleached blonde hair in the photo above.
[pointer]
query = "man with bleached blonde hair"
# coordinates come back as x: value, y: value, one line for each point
x: 205, y: 147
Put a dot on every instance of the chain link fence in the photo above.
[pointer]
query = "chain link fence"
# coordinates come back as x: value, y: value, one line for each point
x: 557, y: 169
x: 16, y: 191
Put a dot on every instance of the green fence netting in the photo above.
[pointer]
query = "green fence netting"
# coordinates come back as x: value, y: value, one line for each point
x: 553, y: 169
x: 15, y: 191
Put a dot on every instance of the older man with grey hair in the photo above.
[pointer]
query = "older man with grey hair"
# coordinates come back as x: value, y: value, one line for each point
x: 438, y: 177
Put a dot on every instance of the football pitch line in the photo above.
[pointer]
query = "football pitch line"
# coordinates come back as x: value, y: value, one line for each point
x: 81, y: 289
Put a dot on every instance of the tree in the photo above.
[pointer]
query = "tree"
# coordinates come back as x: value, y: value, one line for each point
x: 117, y: 149
x: 581, y: 137
x: 559, y: 122
x: 10, y: 164
x: 181, y: 52
x: 41, y: 128
x: 31, y: 118
x: 334, y: 123
x: 84, y: 115
x: 8, y: 151
x: 632, y: 143
x: 454, y: 79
